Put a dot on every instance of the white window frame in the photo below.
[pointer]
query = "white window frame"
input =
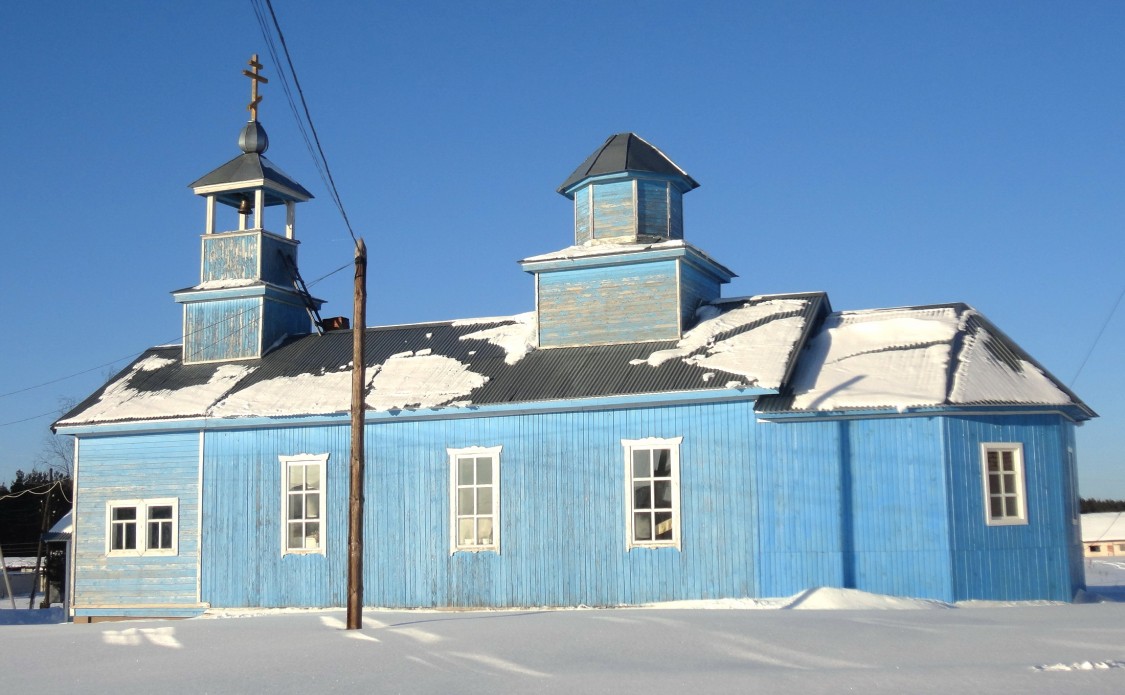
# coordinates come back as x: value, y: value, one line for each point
x: 320, y: 461
x: 141, y: 523
x: 455, y: 455
x: 649, y: 444
x: 1019, y: 485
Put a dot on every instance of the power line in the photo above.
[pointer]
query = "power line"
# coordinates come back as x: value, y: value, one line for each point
x: 133, y: 355
x: 1105, y: 324
x: 330, y: 182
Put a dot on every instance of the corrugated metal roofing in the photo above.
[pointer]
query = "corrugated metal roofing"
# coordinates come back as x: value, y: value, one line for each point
x: 489, y: 362
x: 537, y: 376
x: 984, y: 367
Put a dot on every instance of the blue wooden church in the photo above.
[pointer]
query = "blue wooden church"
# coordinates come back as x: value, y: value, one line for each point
x: 635, y: 438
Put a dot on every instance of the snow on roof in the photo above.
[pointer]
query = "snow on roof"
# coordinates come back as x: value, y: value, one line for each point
x: 891, y: 358
x: 595, y: 247
x: 449, y: 364
x: 1103, y: 526
x: 125, y: 398
x: 515, y: 338
x: 761, y: 354
x: 918, y: 357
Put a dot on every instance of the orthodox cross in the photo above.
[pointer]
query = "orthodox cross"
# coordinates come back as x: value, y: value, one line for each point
x: 255, y: 78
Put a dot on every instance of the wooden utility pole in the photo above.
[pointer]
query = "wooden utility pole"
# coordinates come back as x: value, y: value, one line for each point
x: 355, y: 497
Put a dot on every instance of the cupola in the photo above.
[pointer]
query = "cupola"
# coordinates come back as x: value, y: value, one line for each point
x: 250, y: 294
x: 627, y: 191
x: 630, y: 276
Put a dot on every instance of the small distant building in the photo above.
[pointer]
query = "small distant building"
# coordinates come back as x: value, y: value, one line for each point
x: 1103, y: 534
x: 635, y: 437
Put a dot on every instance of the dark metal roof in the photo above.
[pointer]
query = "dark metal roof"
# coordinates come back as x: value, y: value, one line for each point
x: 158, y: 386
x: 250, y: 166
x: 625, y: 152
x: 537, y: 376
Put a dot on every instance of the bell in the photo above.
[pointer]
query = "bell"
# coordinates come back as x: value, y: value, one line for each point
x: 244, y: 207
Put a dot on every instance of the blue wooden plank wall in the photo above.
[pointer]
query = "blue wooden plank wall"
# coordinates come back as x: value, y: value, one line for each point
x: 696, y: 288
x: 582, y: 231
x: 129, y: 468
x: 612, y: 304
x: 274, y: 268
x: 889, y: 505
x: 853, y: 503
x: 675, y: 213
x: 797, y: 487
x: 235, y: 257
x: 1034, y: 560
x: 614, y: 210
x: 221, y: 329
x: 562, y: 513
x: 230, y: 256
x: 1073, y: 511
x: 895, y: 471
x: 281, y: 319
x: 652, y: 207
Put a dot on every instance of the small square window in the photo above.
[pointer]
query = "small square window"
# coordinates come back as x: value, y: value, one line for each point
x: 141, y: 527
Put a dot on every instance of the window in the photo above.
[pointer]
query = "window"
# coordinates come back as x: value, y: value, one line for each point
x: 652, y: 475
x: 1005, y: 497
x: 1095, y: 548
x: 142, y: 527
x: 474, y: 487
x: 303, y: 483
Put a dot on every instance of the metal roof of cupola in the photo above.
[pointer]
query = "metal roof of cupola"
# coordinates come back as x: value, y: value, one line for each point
x: 250, y: 295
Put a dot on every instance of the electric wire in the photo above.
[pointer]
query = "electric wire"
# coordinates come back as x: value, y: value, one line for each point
x: 1105, y: 324
x: 316, y: 152
x: 132, y: 356
x: 330, y: 181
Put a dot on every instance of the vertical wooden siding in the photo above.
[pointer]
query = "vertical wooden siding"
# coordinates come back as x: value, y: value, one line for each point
x: 274, y: 268
x: 1017, y: 562
x: 675, y: 213
x: 230, y: 257
x: 281, y: 319
x: 696, y: 288
x: 853, y: 503
x: 235, y: 257
x: 221, y: 329
x: 129, y: 468
x: 562, y: 513
x: 652, y: 208
x: 768, y: 509
x: 243, y: 564
x: 612, y: 304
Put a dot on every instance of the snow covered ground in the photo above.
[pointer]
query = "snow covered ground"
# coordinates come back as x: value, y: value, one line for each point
x: 826, y: 640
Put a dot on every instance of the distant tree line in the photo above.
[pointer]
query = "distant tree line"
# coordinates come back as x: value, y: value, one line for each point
x: 22, y: 505
x: 1087, y: 506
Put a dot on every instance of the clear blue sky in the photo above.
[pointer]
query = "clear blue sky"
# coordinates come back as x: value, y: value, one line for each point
x: 890, y: 153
